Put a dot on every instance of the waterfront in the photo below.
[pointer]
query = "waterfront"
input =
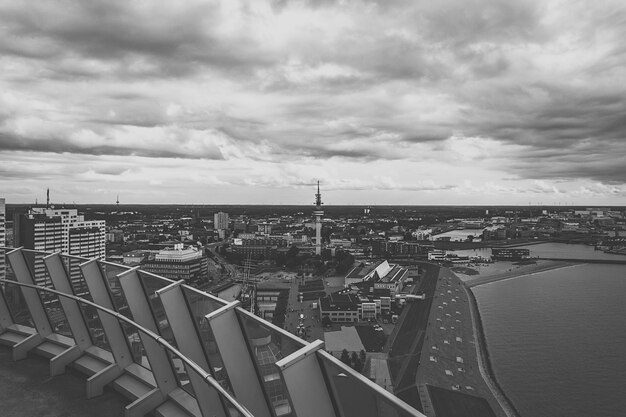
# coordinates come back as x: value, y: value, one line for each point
x: 570, y: 251
x: 551, y: 250
x: 556, y: 339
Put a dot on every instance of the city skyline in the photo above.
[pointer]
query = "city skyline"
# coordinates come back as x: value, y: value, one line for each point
x: 228, y: 102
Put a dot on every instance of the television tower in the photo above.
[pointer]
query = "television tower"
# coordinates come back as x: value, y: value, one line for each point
x: 318, y: 213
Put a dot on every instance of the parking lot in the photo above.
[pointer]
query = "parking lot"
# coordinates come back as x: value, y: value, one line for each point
x: 449, y: 358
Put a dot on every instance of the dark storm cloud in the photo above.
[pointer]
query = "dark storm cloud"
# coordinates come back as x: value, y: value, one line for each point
x: 174, y: 40
x: 573, y: 132
x: 13, y: 143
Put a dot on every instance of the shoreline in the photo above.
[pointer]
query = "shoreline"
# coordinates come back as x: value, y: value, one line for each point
x: 482, y: 354
x: 453, y: 358
x: 531, y: 270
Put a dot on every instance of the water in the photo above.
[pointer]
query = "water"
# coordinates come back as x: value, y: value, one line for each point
x: 557, y: 340
x: 552, y: 250
x: 573, y: 251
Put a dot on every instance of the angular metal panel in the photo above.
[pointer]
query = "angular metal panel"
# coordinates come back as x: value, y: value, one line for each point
x: 188, y: 341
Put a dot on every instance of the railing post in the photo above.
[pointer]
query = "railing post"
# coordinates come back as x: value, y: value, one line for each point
x: 305, y: 382
x: 160, y: 363
x: 31, y: 297
x: 6, y: 319
x: 72, y: 310
x: 189, y: 343
x: 111, y: 326
x: 241, y: 370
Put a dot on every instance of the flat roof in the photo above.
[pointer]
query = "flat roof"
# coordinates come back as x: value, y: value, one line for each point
x: 339, y: 302
x: 27, y: 389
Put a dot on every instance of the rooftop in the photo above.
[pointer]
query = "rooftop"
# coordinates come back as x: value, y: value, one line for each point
x: 26, y: 389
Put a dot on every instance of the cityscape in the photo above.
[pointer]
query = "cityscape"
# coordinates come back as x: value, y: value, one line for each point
x: 312, y: 208
x: 387, y: 290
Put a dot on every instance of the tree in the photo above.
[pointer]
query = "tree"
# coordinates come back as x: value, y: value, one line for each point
x: 345, y: 357
x: 362, y: 356
x: 291, y: 257
x: 357, y: 364
x: 344, y: 262
x: 326, y: 321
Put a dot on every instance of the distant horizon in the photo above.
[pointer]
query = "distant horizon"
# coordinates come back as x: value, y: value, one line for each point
x: 312, y: 206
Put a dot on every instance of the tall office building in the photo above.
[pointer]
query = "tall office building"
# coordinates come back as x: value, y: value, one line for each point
x: 2, y: 236
x: 220, y: 221
x: 59, y: 230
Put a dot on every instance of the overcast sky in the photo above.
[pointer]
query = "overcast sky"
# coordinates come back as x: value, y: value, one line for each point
x: 385, y: 102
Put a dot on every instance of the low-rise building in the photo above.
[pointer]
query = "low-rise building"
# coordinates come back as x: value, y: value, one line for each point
x: 340, y: 307
x: 393, y: 280
x: 510, y: 254
x: 437, y: 255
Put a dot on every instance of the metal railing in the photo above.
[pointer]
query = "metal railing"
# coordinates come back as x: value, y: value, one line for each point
x: 159, y: 339
x: 340, y: 382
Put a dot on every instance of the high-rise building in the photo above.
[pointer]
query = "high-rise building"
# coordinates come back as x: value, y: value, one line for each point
x: 318, y: 213
x: 220, y: 221
x: 39, y: 233
x: 2, y: 235
x: 59, y: 230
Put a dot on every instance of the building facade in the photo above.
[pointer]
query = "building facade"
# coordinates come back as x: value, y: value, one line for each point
x: 510, y: 254
x: 178, y: 263
x: 2, y: 236
x: 220, y: 221
x: 59, y: 230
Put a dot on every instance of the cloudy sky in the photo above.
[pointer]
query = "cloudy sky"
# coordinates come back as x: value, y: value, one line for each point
x: 385, y: 102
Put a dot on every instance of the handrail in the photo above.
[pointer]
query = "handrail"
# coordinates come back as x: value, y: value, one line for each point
x: 102, y: 261
x: 302, y: 343
x: 158, y: 338
x: 375, y: 387
x: 322, y: 355
x: 160, y: 278
x: 207, y: 295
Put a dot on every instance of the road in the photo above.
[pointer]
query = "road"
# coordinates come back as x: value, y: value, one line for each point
x: 310, y: 320
x: 230, y: 269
